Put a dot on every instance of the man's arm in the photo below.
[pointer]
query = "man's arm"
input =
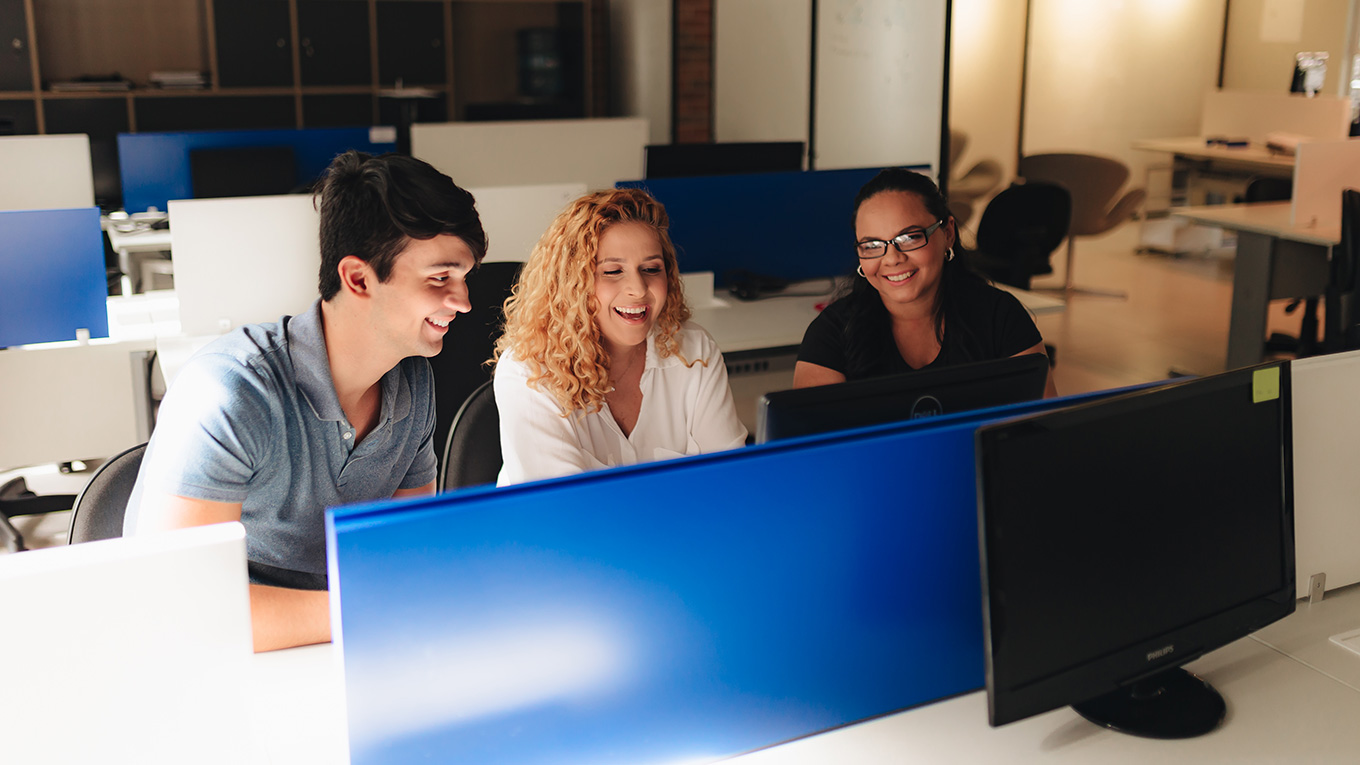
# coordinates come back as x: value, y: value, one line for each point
x: 419, y: 491
x: 279, y: 617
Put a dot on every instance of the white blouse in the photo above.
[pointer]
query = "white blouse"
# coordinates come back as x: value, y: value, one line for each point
x: 685, y: 410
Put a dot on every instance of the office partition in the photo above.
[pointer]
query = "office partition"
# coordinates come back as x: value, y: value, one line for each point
x: 46, y: 172
x: 596, y: 152
x: 790, y: 226
x: 155, y: 167
x: 689, y: 609
x: 55, y: 287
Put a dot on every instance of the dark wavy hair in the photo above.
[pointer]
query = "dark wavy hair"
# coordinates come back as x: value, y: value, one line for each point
x: 868, y: 328
x: 372, y: 206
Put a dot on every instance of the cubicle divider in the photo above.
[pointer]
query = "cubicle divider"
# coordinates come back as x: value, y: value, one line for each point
x: 790, y: 226
x: 55, y: 288
x: 155, y: 167
x: 689, y: 609
x: 46, y: 172
x: 596, y: 152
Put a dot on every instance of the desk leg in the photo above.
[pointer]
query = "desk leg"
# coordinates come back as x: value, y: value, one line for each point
x: 1250, y: 299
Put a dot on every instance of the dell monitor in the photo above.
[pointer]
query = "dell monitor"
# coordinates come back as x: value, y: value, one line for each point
x: 905, y: 396
x: 242, y: 171
x: 680, y: 160
x: 1124, y: 538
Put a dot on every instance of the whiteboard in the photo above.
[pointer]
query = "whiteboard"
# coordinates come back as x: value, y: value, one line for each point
x: 879, y: 83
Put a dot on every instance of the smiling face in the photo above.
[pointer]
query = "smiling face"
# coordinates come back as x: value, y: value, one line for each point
x: 902, y: 278
x: 630, y: 285
x: 424, y: 292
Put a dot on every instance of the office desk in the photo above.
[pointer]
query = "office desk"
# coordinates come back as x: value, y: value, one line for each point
x: 1253, y: 158
x: 135, y: 241
x: 1275, y: 259
x: 1292, y: 697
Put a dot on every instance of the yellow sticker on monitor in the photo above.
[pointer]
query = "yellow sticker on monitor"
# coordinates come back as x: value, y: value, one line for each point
x: 1265, y: 385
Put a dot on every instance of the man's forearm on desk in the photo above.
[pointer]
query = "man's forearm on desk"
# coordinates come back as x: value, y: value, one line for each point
x: 284, y: 618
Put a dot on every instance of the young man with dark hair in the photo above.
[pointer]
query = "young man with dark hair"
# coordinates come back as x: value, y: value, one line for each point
x: 273, y: 423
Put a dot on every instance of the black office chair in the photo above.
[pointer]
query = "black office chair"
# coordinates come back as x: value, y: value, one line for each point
x: 16, y: 500
x: 100, y: 507
x: 461, y: 366
x: 1019, y: 231
x: 472, y: 456
x: 1342, y: 332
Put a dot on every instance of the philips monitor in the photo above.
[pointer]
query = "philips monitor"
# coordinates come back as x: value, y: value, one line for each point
x: 242, y: 171
x: 1124, y: 538
x: 681, y: 160
x: 906, y: 396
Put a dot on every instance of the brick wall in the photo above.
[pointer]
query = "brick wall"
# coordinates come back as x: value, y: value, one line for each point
x: 692, y: 89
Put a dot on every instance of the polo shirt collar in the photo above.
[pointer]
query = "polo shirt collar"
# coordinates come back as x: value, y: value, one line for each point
x: 312, y: 370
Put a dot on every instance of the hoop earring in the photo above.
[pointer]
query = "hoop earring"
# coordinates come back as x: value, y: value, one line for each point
x: 949, y: 254
x: 860, y: 271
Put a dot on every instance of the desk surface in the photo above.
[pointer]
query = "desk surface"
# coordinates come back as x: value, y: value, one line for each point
x: 1292, y: 696
x: 1269, y: 218
x: 1254, y: 154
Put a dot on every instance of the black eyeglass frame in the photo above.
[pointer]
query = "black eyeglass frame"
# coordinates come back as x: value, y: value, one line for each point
x: 895, y: 241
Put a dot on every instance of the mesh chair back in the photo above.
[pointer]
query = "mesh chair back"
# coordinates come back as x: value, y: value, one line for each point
x: 100, y: 507
x: 1019, y: 231
x: 472, y: 455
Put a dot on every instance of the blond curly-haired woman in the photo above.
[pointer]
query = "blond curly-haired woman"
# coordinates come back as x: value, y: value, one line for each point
x: 599, y: 365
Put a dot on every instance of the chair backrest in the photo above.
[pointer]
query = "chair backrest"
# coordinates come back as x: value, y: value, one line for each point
x: 472, y: 455
x: 460, y: 367
x: 1093, y: 181
x: 99, y: 509
x: 1025, y: 222
x: 1269, y: 188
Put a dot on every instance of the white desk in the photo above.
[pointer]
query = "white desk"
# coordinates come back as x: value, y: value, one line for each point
x: 1292, y: 697
x: 134, y: 236
x: 1251, y: 158
x: 1275, y: 259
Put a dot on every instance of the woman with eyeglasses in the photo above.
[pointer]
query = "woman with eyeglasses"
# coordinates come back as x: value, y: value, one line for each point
x: 599, y: 365
x: 913, y: 303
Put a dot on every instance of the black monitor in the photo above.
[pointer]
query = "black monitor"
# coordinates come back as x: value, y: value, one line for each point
x: 906, y: 396
x: 1123, y: 538
x: 242, y: 171
x: 682, y: 160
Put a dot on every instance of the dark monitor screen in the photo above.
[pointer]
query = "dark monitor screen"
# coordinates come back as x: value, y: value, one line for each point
x: 681, y: 160
x: 242, y: 171
x: 1126, y: 537
x: 906, y: 396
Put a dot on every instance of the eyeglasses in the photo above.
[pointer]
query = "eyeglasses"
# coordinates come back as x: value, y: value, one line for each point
x: 911, y: 239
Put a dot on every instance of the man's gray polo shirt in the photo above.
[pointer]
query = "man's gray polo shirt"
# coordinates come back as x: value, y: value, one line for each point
x: 254, y: 418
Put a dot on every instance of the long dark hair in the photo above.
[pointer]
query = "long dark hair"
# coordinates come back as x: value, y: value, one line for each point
x: 868, y: 328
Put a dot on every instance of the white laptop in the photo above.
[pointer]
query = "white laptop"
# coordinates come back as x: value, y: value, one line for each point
x: 128, y: 650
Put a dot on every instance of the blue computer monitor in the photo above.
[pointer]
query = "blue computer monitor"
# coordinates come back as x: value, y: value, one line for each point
x: 688, y: 609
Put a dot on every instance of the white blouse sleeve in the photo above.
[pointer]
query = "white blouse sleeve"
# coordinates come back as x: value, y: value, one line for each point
x: 714, y: 426
x: 536, y: 440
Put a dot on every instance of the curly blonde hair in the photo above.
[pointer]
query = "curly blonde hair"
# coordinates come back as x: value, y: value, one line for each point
x: 550, y: 314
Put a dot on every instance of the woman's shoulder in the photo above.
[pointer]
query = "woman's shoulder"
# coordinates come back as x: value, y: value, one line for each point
x: 977, y: 290
x: 694, y: 341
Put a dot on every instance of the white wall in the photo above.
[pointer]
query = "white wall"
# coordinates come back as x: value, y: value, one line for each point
x: 988, y: 38
x: 762, y: 61
x: 1265, y: 35
x: 640, y: 40
x: 1103, y: 73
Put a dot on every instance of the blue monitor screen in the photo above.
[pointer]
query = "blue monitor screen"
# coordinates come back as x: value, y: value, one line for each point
x: 689, y: 609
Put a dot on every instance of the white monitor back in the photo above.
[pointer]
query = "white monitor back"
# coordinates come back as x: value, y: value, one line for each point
x: 134, y: 649
x: 1326, y: 413
x: 243, y: 260
x: 1253, y: 114
x: 596, y: 152
x: 46, y: 172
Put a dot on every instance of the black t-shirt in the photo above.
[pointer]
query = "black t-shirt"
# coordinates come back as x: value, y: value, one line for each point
x: 981, y: 323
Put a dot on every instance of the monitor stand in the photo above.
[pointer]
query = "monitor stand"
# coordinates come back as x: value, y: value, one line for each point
x: 1170, y: 704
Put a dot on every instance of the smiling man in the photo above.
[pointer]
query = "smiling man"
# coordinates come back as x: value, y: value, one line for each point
x: 273, y: 423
